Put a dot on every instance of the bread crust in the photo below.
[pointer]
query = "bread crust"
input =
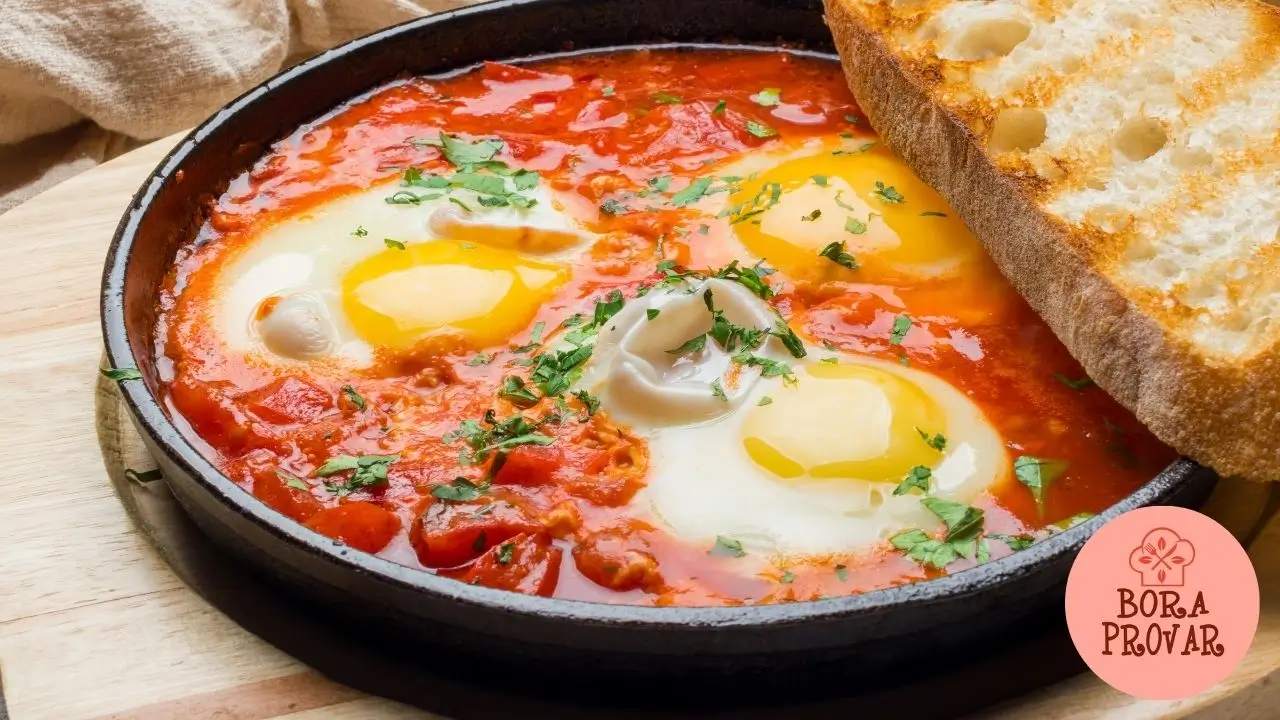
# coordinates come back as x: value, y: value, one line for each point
x: 1226, y: 416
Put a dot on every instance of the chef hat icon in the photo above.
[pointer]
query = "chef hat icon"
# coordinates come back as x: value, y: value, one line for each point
x: 1162, y: 558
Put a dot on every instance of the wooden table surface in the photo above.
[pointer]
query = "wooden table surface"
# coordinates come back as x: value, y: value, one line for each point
x: 94, y: 624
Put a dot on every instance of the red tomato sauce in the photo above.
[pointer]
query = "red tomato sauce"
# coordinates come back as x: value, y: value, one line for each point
x: 552, y: 519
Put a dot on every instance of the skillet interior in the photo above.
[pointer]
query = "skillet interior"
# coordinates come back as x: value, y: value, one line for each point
x: 880, y: 629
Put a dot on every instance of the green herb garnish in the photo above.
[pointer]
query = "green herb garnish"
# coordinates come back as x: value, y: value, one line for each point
x: 367, y: 471
x: 727, y: 547
x: 1037, y: 474
x: 1076, y: 385
x: 917, y: 477
x: 121, y: 374
x: 767, y: 97
x: 506, y: 551
x: 936, y: 441
x: 887, y: 193
x: 355, y: 398
x: 837, y: 253
x: 901, y: 326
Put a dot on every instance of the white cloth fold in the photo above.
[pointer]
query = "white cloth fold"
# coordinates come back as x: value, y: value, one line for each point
x: 79, y: 79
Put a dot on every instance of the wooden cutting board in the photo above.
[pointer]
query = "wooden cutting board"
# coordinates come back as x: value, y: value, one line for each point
x: 94, y: 623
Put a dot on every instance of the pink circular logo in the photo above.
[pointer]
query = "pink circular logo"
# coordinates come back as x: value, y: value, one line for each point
x: 1162, y: 603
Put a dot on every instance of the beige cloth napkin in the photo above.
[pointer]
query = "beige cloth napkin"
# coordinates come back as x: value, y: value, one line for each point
x: 83, y: 81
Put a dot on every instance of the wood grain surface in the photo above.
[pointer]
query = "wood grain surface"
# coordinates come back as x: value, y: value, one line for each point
x: 95, y: 624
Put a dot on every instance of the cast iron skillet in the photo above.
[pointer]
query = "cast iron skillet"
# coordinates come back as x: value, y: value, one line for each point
x: 841, y: 638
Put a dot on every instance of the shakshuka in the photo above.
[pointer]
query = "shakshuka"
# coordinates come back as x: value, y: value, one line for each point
x: 662, y: 328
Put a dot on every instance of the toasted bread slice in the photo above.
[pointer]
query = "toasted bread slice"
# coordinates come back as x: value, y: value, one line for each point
x: 1121, y: 163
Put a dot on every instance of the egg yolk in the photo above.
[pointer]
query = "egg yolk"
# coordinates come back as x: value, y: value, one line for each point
x: 397, y: 297
x: 866, y: 198
x: 844, y: 421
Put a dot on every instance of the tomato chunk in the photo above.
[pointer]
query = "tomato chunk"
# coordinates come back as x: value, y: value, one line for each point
x: 528, y: 564
x: 618, y: 560
x: 275, y: 491
x: 452, y: 534
x: 288, y: 401
x: 529, y: 465
x: 362, y: 525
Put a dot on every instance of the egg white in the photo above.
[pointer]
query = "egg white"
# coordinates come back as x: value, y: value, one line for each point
x: 308, y: 255
x: 702, y: 483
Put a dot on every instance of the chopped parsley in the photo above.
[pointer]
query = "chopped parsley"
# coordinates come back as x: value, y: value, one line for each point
x: 359, y: 232
x: 819, y: 180
x: 767, y: 97
x: 1076, y: 385
x: 932, y: 213
x: 788, y: 577
x: 667, y: 98
x: 843, y: 205
x: 495, y: 183
x: 1038, y: 474
x: 607, y: 308
x: 812, y: 215
x: 121, y: 374
x: 852, y: 119
x: 1074, y: 520
x: 936, y: 441
x: 516, y: 392
x: 607, y: 91
x: 857, y: 151
x: 719, y: 108
x: 854, y: 226
x: 693, y: 193
x: 613, y: 206
x: 768, y: 368
x: 766, y: 400
x: 506, y: 552
x: 366, y: 471
x: 901, y: 326
x: 692, y: 345
x: 760, y: 130
x: 789, y: 339
x: 842, y: 573
x: 964, y: 526
x: 490, y: 435
x: 752, y: 278
x: 717, y: 390
x: 293, y: 481
x: 350, y: 393
x: 837, y: 253
x: 887, y: 193
x: 460, y: 490
x: 1015, y: 542
x: 727, y: 547
x: 917, y: 477
x: 590, y: 402
x: 480, y: 359
x: 393, y: 244
x: 652, y: 313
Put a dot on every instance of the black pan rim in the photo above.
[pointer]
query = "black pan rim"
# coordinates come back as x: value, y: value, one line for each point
x: 178, y: 448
